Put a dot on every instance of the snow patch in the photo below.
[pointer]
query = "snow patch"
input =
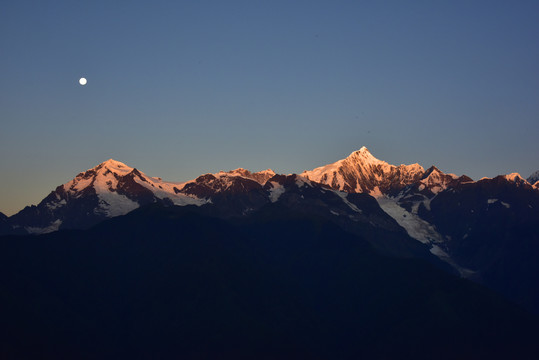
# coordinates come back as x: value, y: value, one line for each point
x: 416, y: 227
x: 492, y: 201
x: 276, y: 191
x: 165, y: 190
x: 343, y: 196
x: 420, y: 230
x: 113, y: 204
x: 56, y: 205
x: 54, y: 226
x: 81, y: 184
x: 301, y: 182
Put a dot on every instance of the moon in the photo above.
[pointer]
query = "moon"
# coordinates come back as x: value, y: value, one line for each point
x: 82, y: 81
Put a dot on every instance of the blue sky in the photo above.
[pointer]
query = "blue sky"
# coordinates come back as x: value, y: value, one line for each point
x: 181, y: 88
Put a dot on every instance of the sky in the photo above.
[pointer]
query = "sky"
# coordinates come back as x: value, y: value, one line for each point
x: 182, y: 88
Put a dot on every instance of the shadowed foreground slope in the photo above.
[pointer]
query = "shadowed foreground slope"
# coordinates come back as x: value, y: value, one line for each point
x: 174, y: 283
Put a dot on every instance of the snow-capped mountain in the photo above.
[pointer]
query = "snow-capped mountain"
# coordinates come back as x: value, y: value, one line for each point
x: 399, y: 190
x: 361, y: 172
x: 485, y: 229
x: 109, y: 189
x: 113, y: 188
x: 273, y: 240
x: 120, y: 189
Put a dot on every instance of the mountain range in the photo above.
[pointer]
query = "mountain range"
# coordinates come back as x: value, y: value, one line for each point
x: 485, y: 231
x: 113, y: 188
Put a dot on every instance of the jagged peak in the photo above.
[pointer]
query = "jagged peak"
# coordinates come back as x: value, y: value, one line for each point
x: 96, y: 175
x: 363, y: 154
x: 432, y: 170
x: 416, y: 168
x: 260, y: 176
x: 245, y: 171
x: 267, y: 171
x: 362, y: 150
x: 239, y: 170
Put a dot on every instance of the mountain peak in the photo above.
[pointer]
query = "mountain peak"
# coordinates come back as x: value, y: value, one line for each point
x: 362, y: 151
x: 260, y: 176
x: 362, y: 172
x: 432, y: 169
x: 111, y: 163
x: 364, y: 156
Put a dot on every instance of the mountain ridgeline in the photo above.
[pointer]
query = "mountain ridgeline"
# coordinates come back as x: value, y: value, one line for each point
x: 358, y: 258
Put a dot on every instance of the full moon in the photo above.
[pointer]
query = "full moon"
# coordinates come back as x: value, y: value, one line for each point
x: 82, y: 81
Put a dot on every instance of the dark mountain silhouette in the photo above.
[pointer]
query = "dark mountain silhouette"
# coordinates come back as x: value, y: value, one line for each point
x: 174, y: 282
x: 492, y: 228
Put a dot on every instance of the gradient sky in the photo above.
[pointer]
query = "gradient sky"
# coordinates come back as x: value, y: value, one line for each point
x: 181, y: 88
